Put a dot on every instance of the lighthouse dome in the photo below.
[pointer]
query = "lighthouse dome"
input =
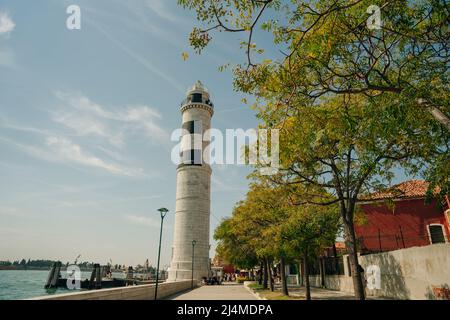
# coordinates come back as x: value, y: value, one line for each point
x: 198, y: 93
x: 198, y: 87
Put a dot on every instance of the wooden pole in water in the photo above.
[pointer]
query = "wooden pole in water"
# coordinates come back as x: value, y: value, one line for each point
x: 92, y: 279
x: 98, y: 277
x: 50, y: 276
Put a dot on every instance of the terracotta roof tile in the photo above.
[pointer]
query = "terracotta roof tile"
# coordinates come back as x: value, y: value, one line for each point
x: 406, y: 189
x: 340, y: 245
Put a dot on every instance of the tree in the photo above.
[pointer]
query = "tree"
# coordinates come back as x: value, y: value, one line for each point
x: 233, y: 245
x: 252, y: 233
x: 349, y: 146
x: 266, y: 226
x: 328, y: 40
x: 310, y: 229
x: 354, y: 102
x: 270, y: 210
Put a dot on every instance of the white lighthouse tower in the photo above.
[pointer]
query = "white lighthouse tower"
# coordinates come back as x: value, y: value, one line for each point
x: 190, y: 250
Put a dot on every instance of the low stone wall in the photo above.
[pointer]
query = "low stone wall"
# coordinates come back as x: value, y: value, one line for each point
x: 142, y: 292
x: 340, y: 283
x: 413, y: 273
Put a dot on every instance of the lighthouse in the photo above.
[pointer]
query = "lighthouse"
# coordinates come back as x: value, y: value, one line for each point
x: 190, y: 250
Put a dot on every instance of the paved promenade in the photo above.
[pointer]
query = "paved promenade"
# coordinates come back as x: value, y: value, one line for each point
x: 233, y: 291
x: 222, y: 292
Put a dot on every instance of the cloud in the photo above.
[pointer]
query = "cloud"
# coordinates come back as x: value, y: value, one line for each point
x: 146, y: 118
x: 6, y: 23
x: 150, y: 66
x: 142, y: 221
x: 9, y: 124
x: 138, y: 19
x: 64, y: 151
x: 91, y: 119
x: 107, y: 130
x: 159, y: 7
x: 85, y: 125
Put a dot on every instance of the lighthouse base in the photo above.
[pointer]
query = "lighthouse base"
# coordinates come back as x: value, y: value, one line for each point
x: 180, y: 271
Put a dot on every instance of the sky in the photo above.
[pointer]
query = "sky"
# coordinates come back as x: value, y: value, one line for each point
x: 85, y: 123
x: 86, y: 118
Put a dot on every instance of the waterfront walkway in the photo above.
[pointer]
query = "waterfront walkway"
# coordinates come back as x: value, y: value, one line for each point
x: 222, y: 292
x: 234, y: 291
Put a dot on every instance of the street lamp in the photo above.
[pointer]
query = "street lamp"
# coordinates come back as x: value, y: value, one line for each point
x: 163, y: 212
x: 194, y: 242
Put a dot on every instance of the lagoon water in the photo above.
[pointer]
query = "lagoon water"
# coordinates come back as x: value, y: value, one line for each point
x: 24, y: 284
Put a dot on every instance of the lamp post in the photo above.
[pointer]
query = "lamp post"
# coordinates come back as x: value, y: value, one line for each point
x: 163, y: 212
x: 194, y: 242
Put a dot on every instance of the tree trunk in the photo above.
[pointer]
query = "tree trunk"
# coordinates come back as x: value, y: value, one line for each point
x: 269, y: 269
x: 440, y: 116
x: 322, y: 273
x: 260, y: 273
x: 265, y: 276
x: 306, y: 275
x: 299, y: 273
x: 436, y: 112
x: 353, y: 258
x: 283, y: 277
x: 336, y: 264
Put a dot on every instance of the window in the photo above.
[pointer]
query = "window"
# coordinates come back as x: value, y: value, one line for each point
x: 192, y: 157
x: 436, y: 233
x: 197, y: 97
x: 191, y: 152
x: 193, y: 127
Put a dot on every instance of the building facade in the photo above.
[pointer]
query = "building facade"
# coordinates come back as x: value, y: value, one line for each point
x: 401, y: 218
x: 190, y: 250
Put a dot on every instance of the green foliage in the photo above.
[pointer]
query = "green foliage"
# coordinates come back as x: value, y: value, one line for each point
x: 310, y: 228
x: 233, y: 245
x: 267, y: 224
x: 329, y: 52
x: 352, y: 103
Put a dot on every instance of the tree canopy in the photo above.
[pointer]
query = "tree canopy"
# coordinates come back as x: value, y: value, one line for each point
x: 353, y: 102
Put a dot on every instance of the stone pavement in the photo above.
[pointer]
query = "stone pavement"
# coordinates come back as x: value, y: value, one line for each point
x: 221, y: 292
x: 322, y: 294
x: 233, y: 291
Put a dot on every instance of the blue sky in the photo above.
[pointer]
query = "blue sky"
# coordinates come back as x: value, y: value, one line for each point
x: 85, y: 123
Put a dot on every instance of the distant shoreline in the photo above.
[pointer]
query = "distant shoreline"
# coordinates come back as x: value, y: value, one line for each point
x: 31, y: 269
x: 9, y: 268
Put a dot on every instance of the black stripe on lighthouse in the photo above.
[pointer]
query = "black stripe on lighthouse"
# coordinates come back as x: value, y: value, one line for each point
x: 192, y: 155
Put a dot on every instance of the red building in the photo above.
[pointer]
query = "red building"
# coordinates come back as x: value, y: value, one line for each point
x: 400, y: 218
x: 227, y: 268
